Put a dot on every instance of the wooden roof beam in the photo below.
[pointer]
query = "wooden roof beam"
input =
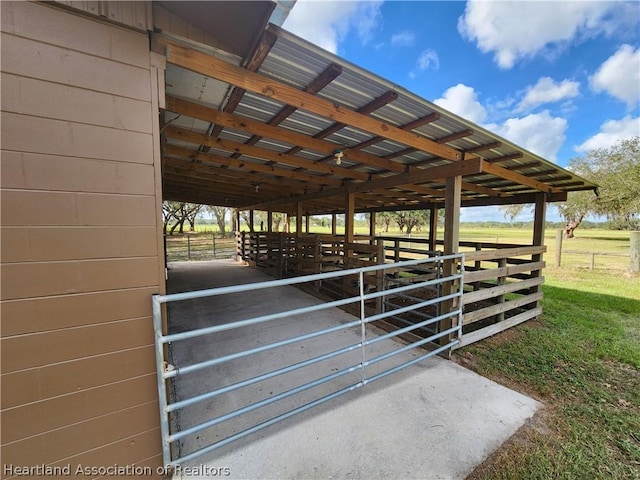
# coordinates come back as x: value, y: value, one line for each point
x: 370, y: 107
x: 432, y: 117
x: 518, y: 178
x: 484, y: 148
x: 250, y: 166
x: 220, y: 173
x: 471, y: 166
x: 258, y: 56
x: 263, y: 153
x: 236, y: 122
x: 221, y: 70
x: 325, y: 78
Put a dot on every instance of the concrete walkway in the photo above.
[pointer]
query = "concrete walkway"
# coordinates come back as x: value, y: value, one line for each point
x: 433, y: 420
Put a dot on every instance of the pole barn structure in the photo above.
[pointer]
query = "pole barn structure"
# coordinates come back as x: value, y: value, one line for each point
x: 109, y: 108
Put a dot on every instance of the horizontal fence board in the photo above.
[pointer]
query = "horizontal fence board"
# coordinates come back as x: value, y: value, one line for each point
x: 73, y: 343
x: 503, y: 253
x: 36, y: 279
x: 34, y: 244
x: 61, y: 312
x: 39, y: 417
x: 469, y: 338
x: 80, y: 437
x: 479, y: 275
x: 40, y: 383
x: 499, y: 308
x: 492, y: 292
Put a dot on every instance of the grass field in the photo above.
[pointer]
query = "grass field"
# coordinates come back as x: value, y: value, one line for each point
x: 581, y: 359
x: 587, y: 240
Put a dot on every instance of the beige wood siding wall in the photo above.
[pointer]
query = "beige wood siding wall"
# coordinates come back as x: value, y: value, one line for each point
x: 81, y: 250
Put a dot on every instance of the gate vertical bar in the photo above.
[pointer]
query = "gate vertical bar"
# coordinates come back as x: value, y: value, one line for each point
x: 162, y: 386
x: 363, y: 330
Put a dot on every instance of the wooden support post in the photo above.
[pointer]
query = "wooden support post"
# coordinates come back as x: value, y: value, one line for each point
x: 539, y: 221
x: 634, y: 252
x: 433, y: 228
x: 299, y: 219
x: 451, y: 245
x: 307, y: 222
x: 237, y: 217
x: 559, y: 234
x: 251, y: 221
x: 334, y: 224
x: 269, y: 220
x: 287, y: 223
x: 349, y: 216
x: 372, y: 225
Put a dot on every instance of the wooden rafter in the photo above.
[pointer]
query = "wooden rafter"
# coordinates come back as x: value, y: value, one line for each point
x: 251, y: 166
x: 263, y: 153
x: 257, y: 57
x: 498, y: 171
x: 370, y: 107
x: 467, y: 167
x: 257, y: 128
x: 325, y: 78
x: 210, y: 66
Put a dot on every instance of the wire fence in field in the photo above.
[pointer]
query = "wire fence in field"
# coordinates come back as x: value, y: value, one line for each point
x: 199, y: 246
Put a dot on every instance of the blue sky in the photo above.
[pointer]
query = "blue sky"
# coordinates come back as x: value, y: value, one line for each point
x: 557, y: 78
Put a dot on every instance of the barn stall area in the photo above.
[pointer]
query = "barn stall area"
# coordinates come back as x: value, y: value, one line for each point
x: 288, y: 128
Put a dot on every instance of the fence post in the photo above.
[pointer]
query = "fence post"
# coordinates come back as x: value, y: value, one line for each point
x: 558, y: 247
x: 634, y: 252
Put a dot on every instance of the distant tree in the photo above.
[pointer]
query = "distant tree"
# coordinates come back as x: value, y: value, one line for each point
x: 385, y: 219
x: 220, y: 214
x: 411, y: 219
x: 179, y: 213
x: 278, y: 218
x: 617, y: 172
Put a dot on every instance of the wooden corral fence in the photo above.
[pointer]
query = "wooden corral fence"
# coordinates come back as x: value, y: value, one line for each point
x: 633, y: 255
x: 502, y: 282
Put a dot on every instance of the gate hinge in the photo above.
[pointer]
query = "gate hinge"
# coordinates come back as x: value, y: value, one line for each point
x: 168, y: 367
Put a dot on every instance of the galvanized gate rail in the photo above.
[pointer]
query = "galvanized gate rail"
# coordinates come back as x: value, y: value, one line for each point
x: 447, y: 337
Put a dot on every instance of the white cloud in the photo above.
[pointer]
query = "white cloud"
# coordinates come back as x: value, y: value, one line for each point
x: 619, y: 75
x: 326, y: 24
x: 463, y: 100
x: 611, y: 132
x: 403, y: 39
x: 539, y: 133
x: 428, y: 59
x: 517, y: 30
x: 546, y: 90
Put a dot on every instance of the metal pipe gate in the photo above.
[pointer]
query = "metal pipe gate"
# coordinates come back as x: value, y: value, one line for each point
x: 374, y: 315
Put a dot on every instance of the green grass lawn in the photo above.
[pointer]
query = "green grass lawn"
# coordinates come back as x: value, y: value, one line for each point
x: 582, y: 360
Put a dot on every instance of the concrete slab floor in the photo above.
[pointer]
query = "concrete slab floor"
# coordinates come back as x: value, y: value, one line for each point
x: 432, y: 420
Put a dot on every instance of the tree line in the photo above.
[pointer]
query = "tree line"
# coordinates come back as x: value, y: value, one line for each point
x: 616, y: 171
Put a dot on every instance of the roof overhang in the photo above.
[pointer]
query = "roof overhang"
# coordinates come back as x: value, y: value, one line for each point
x: 261, y: 131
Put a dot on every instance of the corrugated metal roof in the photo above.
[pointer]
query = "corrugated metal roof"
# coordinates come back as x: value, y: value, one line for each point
x: 295, y: 62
